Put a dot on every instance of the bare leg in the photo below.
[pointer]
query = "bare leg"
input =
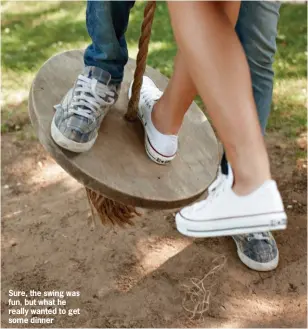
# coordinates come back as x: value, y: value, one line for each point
x: 169, y: 111
x: 220, y: 72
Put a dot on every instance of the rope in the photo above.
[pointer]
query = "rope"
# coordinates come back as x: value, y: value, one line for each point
x: 110, y: 211
x: 144, y: 40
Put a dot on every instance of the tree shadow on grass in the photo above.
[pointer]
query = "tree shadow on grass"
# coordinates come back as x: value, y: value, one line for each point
x: 162, y: 47
x: 31, y: 38
x: 290, y: 59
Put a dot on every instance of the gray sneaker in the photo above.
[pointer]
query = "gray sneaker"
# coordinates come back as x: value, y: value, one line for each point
x: 258, y: 251
x: 78, y: 117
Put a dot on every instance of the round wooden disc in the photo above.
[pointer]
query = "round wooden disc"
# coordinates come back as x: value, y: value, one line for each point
x: 117, y: 166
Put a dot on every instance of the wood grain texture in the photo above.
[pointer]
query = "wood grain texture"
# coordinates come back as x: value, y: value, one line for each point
x: 117, y: 165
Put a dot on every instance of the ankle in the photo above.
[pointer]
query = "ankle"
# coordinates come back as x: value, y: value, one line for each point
x: 246, y: 185
x: 164, y: 120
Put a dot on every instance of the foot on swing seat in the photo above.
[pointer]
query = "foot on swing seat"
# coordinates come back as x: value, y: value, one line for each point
x: 116, y: 166
x: 159, y: 147
x: 225, y: 213
x: 78, y: 117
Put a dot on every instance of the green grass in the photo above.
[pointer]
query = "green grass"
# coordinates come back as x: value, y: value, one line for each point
x: 289, y: 111
x: 32, y: 31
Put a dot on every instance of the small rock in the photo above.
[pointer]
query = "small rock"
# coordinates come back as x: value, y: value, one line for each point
x: 40, y: 164
x: 6, y: 186
x: 13, y: 243
x: 292, y: 287
x: 294, y: 201
x: 289, y: 206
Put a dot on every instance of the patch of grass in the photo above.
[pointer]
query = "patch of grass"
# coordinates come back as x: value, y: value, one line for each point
x: 32, y: 31
x: 301, y: 154
x: 162, y: 47
x: 14, y: 116
x: 26, y: 134
x: 291, y: 56
x: 289, y: 113
x: 30, y: 38
x: 289, y: 108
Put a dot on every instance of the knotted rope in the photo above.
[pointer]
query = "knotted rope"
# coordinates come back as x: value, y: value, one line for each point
x: 110, y: 211
x: 144, y: 40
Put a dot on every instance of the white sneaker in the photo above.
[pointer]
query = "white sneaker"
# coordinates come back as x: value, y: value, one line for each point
x: 225, y: 213
x: 220, y: 178
x: 159, y: 147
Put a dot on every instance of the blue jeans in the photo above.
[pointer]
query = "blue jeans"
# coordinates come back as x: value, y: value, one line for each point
x: 106, y: 24
x: 256, y: 28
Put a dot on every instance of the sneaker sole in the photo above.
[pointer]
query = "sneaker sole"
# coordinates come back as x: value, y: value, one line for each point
x: 231, y: 226
x: 150, y: 151
x: 68, y: 144
x: 256, y: 266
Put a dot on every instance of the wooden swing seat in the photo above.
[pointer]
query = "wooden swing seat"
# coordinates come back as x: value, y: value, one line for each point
x: 117, y: 166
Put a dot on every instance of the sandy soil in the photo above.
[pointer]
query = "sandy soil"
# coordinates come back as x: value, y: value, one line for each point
x: 134, y: 277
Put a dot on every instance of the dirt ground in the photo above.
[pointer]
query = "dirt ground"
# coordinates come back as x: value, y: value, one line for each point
x: 134, y: 277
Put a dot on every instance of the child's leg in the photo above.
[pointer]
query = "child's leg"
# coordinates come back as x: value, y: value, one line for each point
x: 106, y: 24
x: 219, y: 69
x: 76, y: 127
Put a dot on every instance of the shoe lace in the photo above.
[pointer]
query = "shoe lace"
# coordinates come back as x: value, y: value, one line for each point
x: 88, y: 99
x: 257, y: 236
x: 214, y: 190
x: 217, y: 182
x: 151, y: 95
x: 213, y: 194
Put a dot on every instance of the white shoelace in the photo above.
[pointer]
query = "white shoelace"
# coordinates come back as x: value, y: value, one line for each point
x: 86, y: 100
x: 150, y: 94
x: 218, y: 187
x: 257, y: 236
x: 219, y: 180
